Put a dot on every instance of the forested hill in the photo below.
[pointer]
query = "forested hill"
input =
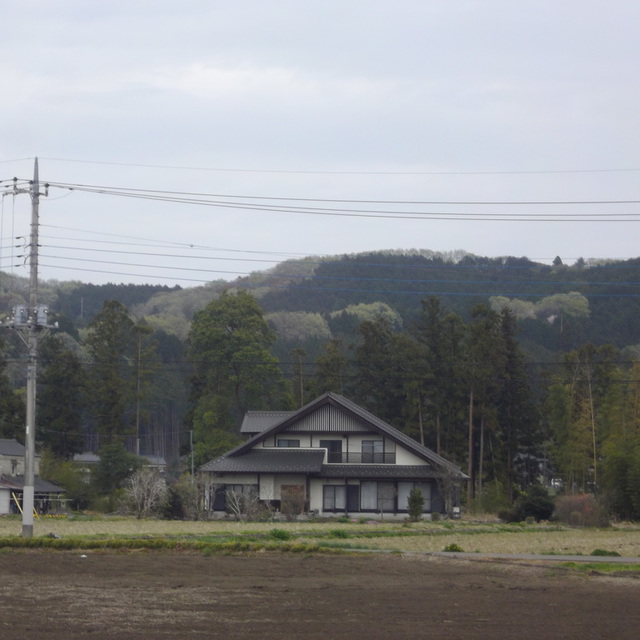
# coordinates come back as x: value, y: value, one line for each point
x: 559, y: 307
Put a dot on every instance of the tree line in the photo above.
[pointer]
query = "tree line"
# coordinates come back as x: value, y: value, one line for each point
x: 463, y: 387
x: 466, y: 389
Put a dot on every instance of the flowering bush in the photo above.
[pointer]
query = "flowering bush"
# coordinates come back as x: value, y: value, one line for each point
x: 581, y: 510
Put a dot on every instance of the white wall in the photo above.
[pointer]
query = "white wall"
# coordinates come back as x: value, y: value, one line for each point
x: 5, y: 497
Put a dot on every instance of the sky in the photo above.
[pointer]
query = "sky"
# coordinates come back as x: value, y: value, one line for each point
x: 192, y: 141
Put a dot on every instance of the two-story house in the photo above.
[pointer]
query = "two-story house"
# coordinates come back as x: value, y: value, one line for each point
x: 340, y: 457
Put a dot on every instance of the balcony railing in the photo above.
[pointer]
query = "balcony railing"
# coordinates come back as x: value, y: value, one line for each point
x: 357, y: 457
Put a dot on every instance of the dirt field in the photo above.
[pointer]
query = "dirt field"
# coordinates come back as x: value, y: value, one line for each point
x: 56, y: 595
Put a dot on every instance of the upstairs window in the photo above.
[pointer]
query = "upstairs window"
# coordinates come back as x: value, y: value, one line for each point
x: 284, y: 442
x: 372, y: 451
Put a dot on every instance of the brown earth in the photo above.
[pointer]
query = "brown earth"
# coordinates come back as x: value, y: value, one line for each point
x: 55, y: 595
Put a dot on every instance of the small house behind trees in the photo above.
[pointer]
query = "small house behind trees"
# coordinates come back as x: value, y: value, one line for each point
x: 47, y: 495
x: 331, y: 457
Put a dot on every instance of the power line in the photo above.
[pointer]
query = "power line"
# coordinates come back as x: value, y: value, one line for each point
x: 321, y: 172
x: 209, y: 201
x: 110, y: 190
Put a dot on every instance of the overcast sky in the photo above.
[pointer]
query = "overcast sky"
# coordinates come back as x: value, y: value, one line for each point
x: 358, y: 100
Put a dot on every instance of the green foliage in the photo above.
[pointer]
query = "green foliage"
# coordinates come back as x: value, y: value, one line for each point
x: 379, y: 362
x: 331, y: 368
x: 415, y: 504
x: 111, y: 345
x: 79, y: 491
x: 213, y: 444
x: 296, y: 327
x: 535, y: 503
x: 182, y: 500
x: 233, y: 368
x: 115, y: 466
x: 173, y: 508
x: 60, y: 399
x: 280, y: 534
x: 604, y: 552
x: 371, y: 312
x: 453, y: 548
x: 82, y: 302
x: 12, y: 407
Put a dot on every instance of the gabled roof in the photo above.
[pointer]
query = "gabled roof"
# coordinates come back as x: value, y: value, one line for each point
x: 16, y: 483
x: 357, y: 413
x: 258, y: 421
x: 11, y: 448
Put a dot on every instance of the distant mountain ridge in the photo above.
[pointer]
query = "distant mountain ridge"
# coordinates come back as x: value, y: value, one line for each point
x: 559, y: 306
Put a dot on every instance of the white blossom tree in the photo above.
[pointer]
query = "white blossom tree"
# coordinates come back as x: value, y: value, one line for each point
x: 147, y: 491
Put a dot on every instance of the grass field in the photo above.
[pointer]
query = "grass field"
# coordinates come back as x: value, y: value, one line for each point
x: 473, y: 536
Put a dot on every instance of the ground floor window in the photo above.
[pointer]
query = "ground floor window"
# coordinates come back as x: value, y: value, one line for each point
x: 241, y: 489
x: 405, y: 488
x: 377, y: 496
x: 334, y: 498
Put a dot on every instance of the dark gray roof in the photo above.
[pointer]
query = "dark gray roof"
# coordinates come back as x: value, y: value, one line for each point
x: 11, y: 448
x: 270, y: 461
x: 399, y: 472
x: 375, y: 424
x: 16, y: 483
x: 258, y: 421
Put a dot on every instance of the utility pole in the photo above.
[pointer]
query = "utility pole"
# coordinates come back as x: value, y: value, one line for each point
x: 31, y: 323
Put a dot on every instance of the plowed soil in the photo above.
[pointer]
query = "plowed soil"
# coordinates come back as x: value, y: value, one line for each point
x: 55, y: 595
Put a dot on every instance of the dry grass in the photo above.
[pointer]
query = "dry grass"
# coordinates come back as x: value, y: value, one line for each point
x: 544, y: 541
x: 484, y: 537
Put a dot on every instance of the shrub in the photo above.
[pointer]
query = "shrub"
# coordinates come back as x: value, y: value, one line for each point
x: 173, y: 508
x: 535, y: 503
x: 280, y: 534
x: 415, y: 504
x: 581, y: 510
x: 454, y: 548
x: 508, y: 515
x: 293, y: 502
x: 604, y: 552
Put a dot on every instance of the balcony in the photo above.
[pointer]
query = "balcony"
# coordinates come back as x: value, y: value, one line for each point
x: 357, y: 457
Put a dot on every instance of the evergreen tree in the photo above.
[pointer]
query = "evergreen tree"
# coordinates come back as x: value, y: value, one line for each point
x: 234, y: 370
x: 381, y: 370
x: 434, y: 392
x: 485, y: 363
x: 12, y: 405
x: 60, y: 398
x: 516, y: 414
x: 111, y: 343
x: 331, y: 368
